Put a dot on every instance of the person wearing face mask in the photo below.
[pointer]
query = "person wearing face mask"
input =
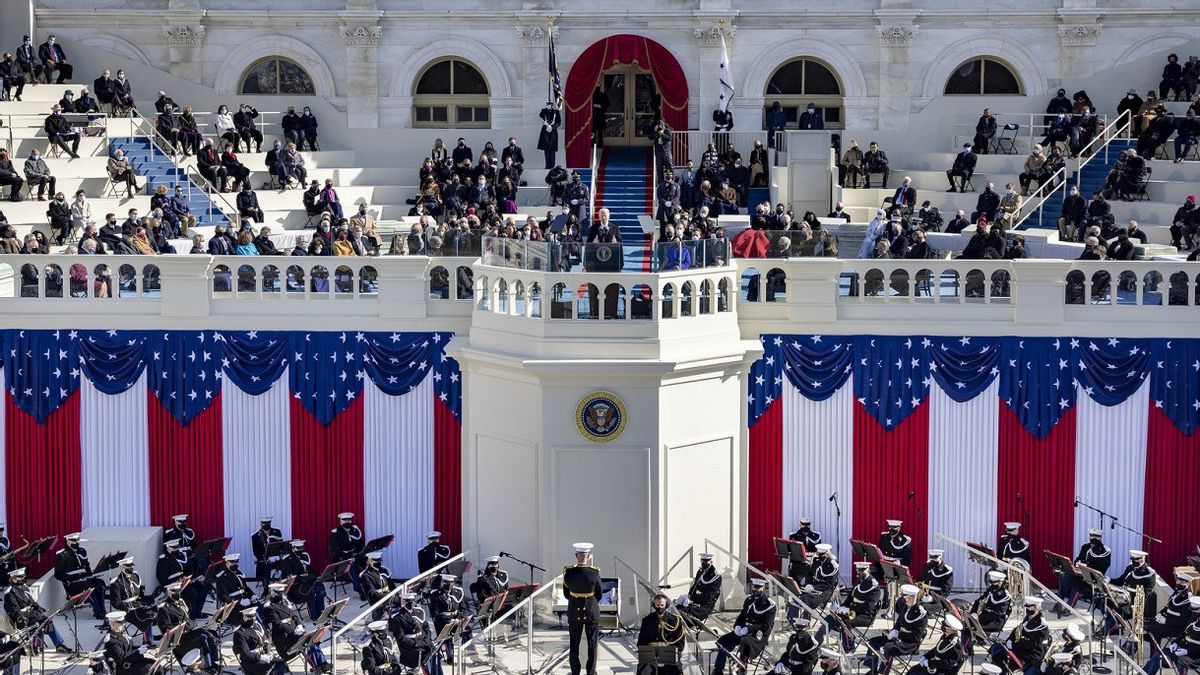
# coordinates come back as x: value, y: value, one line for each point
x: 661, y: 628
x: 247, y: 130
x: 59, y: 130
x: 37, y: 173
x: 53, y: 57
x: 74, y: 571
x: 1188, y: 130
x: 751, y: 629
x: 28, y: 62
x: 308, y: 123
x: 811, y: 119
x: 12, y: 76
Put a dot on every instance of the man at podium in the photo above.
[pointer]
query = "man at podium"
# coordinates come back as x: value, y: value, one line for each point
x: 582, y: 589
x: 660, y: 628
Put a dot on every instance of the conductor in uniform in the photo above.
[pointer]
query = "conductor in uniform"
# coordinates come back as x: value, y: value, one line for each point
x: 702, y: 595
x: 583, y: 590
x: 434, y: 552
x: 751, y: 630
x: 661, y: 628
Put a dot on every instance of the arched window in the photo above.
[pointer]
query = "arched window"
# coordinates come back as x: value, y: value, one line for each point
x: 276, y: 75
x: 801, y: 81
x: 983, y: 75
x: 451, y: 92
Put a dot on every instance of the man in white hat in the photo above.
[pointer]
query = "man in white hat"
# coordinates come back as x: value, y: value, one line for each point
x: 489, y: 581
x: 1013, y: 545
x: 751, y: 629
x: 1096, y: 555
x: 172, y: 611
x: 263, y: 537
x: 24, y: 611
x: 895, y: 545
x: 583, y: 590
x: 380, y: 656
x: 994, y: 604
x: 702, y: 595
x: 230, y: 585
x: 129, y: 659
x: 800, y: 655
x: 286, y: 628
x: 74, y: 571
x: 906, y: 634
x: 858, y: 608
x: 937, y: 573
x: 376, y: 582
x: 661, y: 627
x: 947, y: 656
x: 1029, y: 641
x: 433, y: 553
x: 126, y: 593
x: 346, y: 542
x: 306, y: 588
x: 253, y: 650
x: 823, y: 577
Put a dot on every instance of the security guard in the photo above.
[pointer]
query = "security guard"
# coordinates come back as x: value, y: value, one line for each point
x: 993, y: 605
x: 947, y: 655
x: 661, y: 628
x: 859, y: 607
x: 433, y: 553
x: 937, y: 573
x: 490, y: 581
x: 704, y: 592
x: 1013, y: 545
x: 128, y: 658
x: 751, y: 630
x: 583, y: 590
x: 74, y: 571
x: 259, y: 541
x: 800, y: 655
x: 894, y: 544
x: 1029, y: 641
x: 906, y: 634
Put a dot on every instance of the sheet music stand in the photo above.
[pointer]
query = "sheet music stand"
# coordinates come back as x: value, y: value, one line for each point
x: 656, y: 656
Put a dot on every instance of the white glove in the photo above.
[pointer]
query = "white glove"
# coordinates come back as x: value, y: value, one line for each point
x: 263, y: 658
x: 740, y: 630
x: 1160, y: 619
x: 779, y: 668
x: 893, y: 634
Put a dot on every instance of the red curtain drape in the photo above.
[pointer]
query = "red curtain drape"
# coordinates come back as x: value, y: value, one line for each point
x: 186, y: 474
x: 327, y: 476
x: 42, y: 475
x: 888, y: 465
x: 447, y: 475
x: 1172, y: 473
x: 585, y: 76
x: 1043, y: 473
x: 764, y: 488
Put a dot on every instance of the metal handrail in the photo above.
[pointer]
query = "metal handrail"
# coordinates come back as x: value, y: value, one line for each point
x: 592, y: 190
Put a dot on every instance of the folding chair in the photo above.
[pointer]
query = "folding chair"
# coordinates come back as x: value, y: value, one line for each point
x: 1006, y: 142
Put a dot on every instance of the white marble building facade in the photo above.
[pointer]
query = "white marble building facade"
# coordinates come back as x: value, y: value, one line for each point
x: 891, y: 57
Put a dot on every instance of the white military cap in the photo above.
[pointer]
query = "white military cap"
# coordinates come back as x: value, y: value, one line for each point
x: 824, y: 548
x: 895, y: 523
x: 345, y: 515
x: 909, y: 589
x: 996, y: 576
x: 827, y: 653
x: 1075, y: 632
x: 1010, y: 526
x: 990, y: 669
x: 1062, y: 657
x: 936, y: 552
x: 375, y: 555
x: 116, y: 617
x: 1136, y: 554
x: 953, y: 622
x: 584, y: 546
x: 1033, y: 601
x: 377, y: 626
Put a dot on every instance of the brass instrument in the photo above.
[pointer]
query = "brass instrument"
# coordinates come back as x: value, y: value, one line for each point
x: 1138, y: 621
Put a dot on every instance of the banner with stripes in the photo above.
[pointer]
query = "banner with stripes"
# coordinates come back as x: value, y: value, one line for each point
x: 128, y: 428
x: 957, y: 435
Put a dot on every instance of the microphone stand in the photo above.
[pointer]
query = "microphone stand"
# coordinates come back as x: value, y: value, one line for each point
x: 1115, y: 523
x: 526, y: 563
x: 838, y: 509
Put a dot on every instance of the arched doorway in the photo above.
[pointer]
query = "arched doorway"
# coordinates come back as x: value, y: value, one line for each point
x: 638, y: 74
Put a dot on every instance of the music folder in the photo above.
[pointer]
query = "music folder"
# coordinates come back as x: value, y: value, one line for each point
x: 378, y: 543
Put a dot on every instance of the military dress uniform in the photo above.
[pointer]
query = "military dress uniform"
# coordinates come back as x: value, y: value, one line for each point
x: 751, y: 630
x: 583, y: 590
x: 657, y: 630
x: 704, y: 592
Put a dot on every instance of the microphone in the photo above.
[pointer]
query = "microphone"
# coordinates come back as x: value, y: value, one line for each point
x: 833, y: 496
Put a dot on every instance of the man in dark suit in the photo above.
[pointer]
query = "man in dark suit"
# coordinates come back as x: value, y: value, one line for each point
x: 963, y: 168
x: 247, y: 204
x: 582, y: 589
x: 53, y: 58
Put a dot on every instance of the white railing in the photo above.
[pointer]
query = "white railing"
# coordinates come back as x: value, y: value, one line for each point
x: 1032, y: 127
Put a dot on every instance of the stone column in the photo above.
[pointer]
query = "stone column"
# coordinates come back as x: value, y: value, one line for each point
x: 894, y: 95
x: 360, y: 87
x: 184, y: 35
x: 1077, y: 42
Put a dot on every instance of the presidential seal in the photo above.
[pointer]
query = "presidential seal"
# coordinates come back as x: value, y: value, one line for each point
x: 600, y: 416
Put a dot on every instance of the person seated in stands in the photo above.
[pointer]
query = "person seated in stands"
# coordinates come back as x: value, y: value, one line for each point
x: 852, y: 164
x: 963, y: 168
x: 330, y: 197
x: 958, y: 223
x: 875, y: 161
x: 987, y: 204
x: 985, y: 131
x: 53, y: 57
x: 1172, y: 79
x: 247, y: 204
x: 1016, y: 250
x: 1032, y: 170
x: 169, y: 128
x: 905, y: 197
x: 1121, y: 248
x: 37, y: 173
x: 237, y: 171
x: 1058, y: 131
x: 210, y: 166
x: 1084, y: 129
x: 1059, y: 105
x: 247, y: 130
x: 189, y: 132
x: 59, y: 130
x: 1010, y: 207
x: 1156, y: 134
x: 1188, y: 130
x: 1074, y: 212
x: 1185, y: 225
x: 12, y: 76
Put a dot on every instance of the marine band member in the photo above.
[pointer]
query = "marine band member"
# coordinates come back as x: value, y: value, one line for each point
x: 661, y: 627
x: 583, y: 589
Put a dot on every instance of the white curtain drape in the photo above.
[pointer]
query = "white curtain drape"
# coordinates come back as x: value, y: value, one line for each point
x: 257, y: 464
x: 398, y: 471
x: 114, y: 451
x: 818, y: 460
